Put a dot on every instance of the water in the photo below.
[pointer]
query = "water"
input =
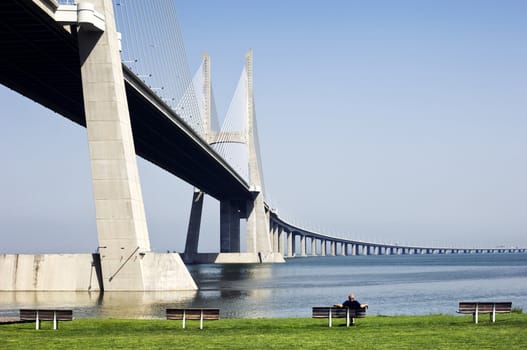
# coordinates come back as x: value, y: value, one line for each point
x: 391, y: 285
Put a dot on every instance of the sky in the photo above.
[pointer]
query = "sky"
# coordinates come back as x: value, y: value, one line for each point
x: 386, y: 121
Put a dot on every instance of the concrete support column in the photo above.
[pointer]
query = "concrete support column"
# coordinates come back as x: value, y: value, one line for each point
x: 343, y: 248
x: 275, y: 238
x: 313, y: 246
x: 281, y: 249
x: 191, y: 245
x: 258, y: 240
x: 323, y: 247
x: 257, y: 226
x: 127, y: 264
x: 290, y: 249
x: 303, y: 245
x: 229, y: 228
x: 119, y: 208
x: 333, y: 247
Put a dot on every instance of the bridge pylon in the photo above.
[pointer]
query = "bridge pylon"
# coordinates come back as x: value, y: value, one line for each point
x: 126, y: 260
x: 259, y: 248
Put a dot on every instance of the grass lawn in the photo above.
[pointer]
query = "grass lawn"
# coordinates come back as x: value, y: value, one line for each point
x: 372, y: 332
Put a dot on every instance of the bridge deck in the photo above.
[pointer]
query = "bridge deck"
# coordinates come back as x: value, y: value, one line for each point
x: 40, y: 60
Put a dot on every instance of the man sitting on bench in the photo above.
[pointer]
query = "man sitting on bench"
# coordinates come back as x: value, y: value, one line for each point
x: 352, y: 303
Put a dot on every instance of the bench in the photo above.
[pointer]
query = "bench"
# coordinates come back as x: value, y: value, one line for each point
x: 488, y: 307
x: 39, y: 315
x: 200, y: 314
x: 331, y: 312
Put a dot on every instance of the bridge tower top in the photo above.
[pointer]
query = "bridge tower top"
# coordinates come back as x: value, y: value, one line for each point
x: 255, y: 178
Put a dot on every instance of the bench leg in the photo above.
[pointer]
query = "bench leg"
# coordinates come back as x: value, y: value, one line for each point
x: 330, y: 318
x: 37, y: 322
x: 493, y: 314
x: 201, y: 320
x: 184, y: 316
x: 55, y: 322
x: 347, y: 317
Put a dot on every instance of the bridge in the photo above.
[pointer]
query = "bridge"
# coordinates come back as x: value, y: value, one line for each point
x: 69, y: 58
x: 295, y: 241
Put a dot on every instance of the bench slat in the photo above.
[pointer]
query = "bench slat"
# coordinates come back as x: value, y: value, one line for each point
x: 45, y: 315
x: 205, y: 314
x: 193, y: 314
x: 484, y: 307
x: 336, y: 312
x: 39, y: 315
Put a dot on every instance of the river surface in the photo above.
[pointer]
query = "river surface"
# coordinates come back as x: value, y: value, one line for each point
x: 391, y: 285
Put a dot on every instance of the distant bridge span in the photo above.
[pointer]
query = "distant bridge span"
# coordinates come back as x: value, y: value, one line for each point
x: 286, y: 237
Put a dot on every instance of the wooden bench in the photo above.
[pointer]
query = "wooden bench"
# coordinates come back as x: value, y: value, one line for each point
x: 488, y: 307
x: 331, y: 312
x: 39, y: 315
x: 200, y: 314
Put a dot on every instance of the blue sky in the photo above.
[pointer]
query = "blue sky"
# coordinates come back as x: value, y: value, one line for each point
x: 390, y: 121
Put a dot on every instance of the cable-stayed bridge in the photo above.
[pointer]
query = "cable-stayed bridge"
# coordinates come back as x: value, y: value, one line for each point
x: 120, y: 70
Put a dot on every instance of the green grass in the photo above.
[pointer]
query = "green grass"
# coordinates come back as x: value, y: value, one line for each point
x: 373, y: 332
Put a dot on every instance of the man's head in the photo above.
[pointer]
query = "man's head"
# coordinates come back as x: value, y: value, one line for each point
x: 351, y: 297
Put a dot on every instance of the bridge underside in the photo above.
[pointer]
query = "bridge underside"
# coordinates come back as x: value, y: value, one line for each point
x: 40, y: 60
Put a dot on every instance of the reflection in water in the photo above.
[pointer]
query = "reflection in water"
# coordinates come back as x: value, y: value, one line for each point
x: 103, y: 305
x: 236, y: 288
x: 231, y: 287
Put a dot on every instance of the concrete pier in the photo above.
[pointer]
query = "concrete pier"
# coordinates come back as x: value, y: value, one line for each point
x: 124, y: 261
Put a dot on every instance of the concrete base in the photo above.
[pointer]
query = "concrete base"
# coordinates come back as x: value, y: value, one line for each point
x: 82, y: 272
x: 50, y: 272
x: 233, y: 258
x: 166, y: 272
